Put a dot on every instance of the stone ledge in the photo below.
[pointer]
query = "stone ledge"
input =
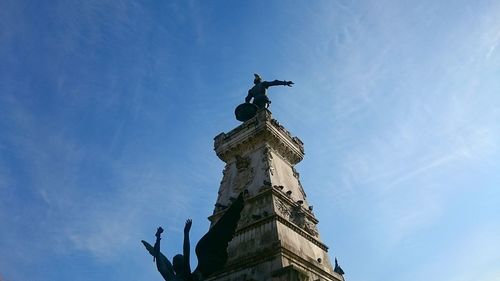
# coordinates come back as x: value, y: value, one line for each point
x: 275, y: 216
x: 268, y: 255
x: 259, y: 129
x: 310, y: 265
x: 247, y: 262
x: 291, y: 273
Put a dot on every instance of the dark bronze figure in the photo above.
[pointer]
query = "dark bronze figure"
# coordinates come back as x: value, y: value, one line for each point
x: 259, y: 91
x: 211, y: 250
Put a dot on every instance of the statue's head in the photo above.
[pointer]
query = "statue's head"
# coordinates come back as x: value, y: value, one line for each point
x: 178, y: 264
x: 257, y: 79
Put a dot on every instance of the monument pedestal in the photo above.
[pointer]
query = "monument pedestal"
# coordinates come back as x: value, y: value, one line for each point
x: 277, y: 238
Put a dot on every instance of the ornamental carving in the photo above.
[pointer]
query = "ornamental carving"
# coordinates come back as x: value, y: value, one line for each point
x: 242, y: 163
x: 297, y: 216
x: 311, y: 228
x: 267, y: 153
x: 283, y: 209
x: 267, y: 159
x: 254, y: 133
x: 245, y: 173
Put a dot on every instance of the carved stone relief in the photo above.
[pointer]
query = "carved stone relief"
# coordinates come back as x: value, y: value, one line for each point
x: 245, y: 173
x: 242, y: 163
x: 296, y: 215
x: 267, y: 158
x: 311, y: 228
x: 283, y: 209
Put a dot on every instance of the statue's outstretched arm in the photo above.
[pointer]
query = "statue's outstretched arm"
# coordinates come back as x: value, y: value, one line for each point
x: 186, y: 247
x: 277, y: 83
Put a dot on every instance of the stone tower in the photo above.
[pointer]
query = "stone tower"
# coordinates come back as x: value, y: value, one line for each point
x: 277, y: 238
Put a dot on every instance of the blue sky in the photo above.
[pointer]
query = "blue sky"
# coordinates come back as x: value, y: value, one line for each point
x: 108, y: 111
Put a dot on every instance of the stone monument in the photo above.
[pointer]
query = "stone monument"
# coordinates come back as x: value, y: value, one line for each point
x: 277, y: 238
x: 262, y: 227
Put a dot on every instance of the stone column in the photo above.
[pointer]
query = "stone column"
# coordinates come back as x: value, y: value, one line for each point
x: 277, y: 238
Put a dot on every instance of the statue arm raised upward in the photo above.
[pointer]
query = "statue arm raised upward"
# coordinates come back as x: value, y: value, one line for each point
x: 162, y: 263
x: 186, y: 247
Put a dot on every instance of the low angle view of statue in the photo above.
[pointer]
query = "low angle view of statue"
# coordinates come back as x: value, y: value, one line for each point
x: 267, y: 233
x: 211, y: 250
x: 258, y: 96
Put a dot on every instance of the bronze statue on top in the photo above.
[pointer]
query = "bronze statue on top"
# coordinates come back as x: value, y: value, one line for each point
x: 258, y: 93
x: 211, y: 250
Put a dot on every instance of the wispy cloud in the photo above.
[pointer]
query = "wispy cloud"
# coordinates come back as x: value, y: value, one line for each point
x: 412, y: 123
x: 459, y: 259
x: 102, y: 219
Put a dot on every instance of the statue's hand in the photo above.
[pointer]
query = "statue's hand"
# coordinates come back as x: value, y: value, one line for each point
x: 187, y: 227
x: 289, y: 83
x: 159, y: 231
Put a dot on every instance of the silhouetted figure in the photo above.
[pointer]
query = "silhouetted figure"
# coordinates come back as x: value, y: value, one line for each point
x: 259, y: 91
x: 337, y: 268
x: 156, y: 248
x: 211, y: 250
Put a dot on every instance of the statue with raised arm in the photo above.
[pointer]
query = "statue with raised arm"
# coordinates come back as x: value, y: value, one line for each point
x: 258, y: 93
x: 211, y: 250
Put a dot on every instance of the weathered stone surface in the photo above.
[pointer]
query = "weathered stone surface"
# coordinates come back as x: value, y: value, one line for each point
x: 277, y: 237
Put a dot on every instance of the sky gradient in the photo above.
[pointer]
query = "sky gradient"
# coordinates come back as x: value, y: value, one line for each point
x: 108, y: 111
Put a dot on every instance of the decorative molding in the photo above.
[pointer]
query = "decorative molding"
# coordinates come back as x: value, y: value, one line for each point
x: 283, y: 209
x: 297, y: 215
x: 287, y: 223
x: 267, y: 159
x: 310, y: 265
x: 292, y: 273
x: 269, y: 254
x: 245, y: 173
x: 261, y: 129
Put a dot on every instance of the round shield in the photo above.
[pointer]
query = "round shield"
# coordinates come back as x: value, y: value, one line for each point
x: 245, y: 111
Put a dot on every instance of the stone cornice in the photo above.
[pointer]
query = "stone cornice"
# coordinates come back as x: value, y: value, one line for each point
x: 269, y: 254
x: 281, y: 219
x: 281, y: 195
x: 294, y: 256
x: 248, y: 261
x: 255, y: 132
x: 267, y: 190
